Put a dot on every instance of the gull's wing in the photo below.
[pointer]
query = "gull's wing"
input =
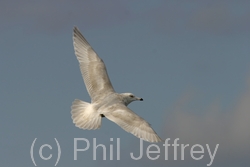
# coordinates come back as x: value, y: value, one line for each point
x: 131, y: 122
x: 92, y: 67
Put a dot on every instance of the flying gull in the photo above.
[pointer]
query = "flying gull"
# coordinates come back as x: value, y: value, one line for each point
x: 105, y: 102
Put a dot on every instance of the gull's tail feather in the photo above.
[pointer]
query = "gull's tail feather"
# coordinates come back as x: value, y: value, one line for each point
x: 84, y: 116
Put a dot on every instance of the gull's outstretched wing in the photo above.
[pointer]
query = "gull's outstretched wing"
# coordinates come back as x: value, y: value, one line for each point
x: 92, y: 67
x: 131, y: 122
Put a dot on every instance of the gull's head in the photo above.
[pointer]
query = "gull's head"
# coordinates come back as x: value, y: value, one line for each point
x: 129, y: 97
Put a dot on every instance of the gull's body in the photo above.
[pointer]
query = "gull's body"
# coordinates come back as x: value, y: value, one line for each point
x: 105, y: 102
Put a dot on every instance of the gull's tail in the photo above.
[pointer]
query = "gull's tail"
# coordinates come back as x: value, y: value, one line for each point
x: 84, y: 115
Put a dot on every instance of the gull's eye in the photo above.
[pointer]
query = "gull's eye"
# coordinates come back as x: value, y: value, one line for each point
x: 131, y: 96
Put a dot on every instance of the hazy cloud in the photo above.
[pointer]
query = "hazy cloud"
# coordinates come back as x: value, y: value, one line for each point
x: 227, y: 127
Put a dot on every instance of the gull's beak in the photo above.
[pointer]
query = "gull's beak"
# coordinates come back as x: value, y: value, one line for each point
x: 141, y: 99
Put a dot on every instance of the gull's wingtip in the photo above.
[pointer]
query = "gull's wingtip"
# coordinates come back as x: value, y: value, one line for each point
x: 75, y: 29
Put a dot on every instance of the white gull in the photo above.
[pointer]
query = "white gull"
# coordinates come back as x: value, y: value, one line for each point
x: 105, y: 102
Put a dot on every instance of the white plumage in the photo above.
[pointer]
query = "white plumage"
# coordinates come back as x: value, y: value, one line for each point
x: 105, y: 102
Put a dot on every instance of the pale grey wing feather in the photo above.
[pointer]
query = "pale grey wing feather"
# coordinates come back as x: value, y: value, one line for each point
x: 92, y: 67
x: 132, y: 123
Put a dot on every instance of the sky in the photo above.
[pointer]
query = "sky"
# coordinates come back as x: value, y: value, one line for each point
x: 188, y: 60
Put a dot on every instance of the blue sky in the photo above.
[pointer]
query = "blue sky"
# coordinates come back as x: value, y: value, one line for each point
x: 188, y: 60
